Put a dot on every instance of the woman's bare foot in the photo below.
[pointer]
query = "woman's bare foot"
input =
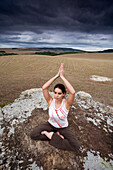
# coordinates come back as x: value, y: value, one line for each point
x: 58, y: 133
x: 48, y: 134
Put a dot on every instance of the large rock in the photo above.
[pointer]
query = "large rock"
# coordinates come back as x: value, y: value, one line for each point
x: 84, y: 99
x: 90, y: 121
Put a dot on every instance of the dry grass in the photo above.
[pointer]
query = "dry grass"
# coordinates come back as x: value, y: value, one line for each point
x: 21, y: 72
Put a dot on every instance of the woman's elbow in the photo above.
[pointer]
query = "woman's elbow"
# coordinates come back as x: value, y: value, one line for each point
x: 44, y: 87
x: 73, y: 92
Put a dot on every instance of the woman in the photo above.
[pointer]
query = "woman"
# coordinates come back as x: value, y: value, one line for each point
x: 56, y: 130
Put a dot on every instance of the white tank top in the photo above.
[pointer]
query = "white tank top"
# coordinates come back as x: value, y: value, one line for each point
x: 58, y: 117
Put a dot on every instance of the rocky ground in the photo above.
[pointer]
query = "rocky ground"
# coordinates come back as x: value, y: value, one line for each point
x: 90, y: 121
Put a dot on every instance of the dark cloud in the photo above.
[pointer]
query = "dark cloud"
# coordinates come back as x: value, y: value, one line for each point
x: 79, y: 15
x: 39, y: 16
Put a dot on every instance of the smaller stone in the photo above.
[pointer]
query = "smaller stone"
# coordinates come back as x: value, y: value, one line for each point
x: 105, y: 130
x: 20, y: 162
x: 100, y: 78
x: 30, y: 160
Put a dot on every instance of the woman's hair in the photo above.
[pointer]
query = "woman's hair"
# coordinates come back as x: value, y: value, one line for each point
x: 60, y: 86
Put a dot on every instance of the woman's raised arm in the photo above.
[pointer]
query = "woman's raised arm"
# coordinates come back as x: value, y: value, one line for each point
x: 45, y: 87
x: 70, y: 99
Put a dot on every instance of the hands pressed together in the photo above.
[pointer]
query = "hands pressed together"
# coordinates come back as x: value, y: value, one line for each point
x: 61, y: 70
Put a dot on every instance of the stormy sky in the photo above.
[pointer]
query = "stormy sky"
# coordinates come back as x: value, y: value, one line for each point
x: 79, y: 24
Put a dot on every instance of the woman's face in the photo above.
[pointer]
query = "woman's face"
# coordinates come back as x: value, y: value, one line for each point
x: 58, y: 95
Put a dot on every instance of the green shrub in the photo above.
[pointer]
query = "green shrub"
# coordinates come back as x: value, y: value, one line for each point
x: 4, y: 54
x: 5, y: 103
x: 54, y: 54
x: 2, y: 51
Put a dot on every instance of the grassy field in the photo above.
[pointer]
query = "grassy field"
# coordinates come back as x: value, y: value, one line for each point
x: 21, y: 72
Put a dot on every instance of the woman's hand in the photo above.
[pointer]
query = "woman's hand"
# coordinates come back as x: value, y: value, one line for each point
x: 61, y: 69
x: 60, y: 72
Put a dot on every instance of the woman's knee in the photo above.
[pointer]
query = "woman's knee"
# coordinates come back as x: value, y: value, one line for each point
x: 75, y: 145
x: 33, y: 135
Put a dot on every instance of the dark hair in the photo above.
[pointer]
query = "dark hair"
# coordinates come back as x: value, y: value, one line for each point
x: 60, y: 86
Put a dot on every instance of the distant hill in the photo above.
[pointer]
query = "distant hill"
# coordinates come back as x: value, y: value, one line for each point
x: 51, y: 49
x: 106, y: 51
x: 62, y: 49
